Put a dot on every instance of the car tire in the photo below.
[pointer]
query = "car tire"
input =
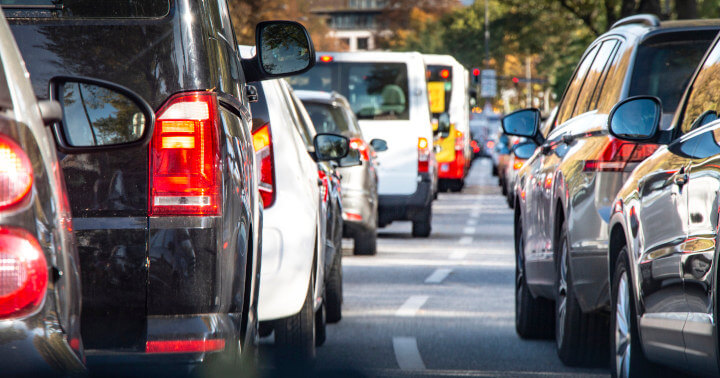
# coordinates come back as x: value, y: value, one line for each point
x: 457, y: 185
x: 422, y: 226
x: 628, y: 358
x: 534, y: 317
x: 580, y: 338
x: 295, y: 335
x: 334, y: 292
x: 494, y: 170
x: 365, y: 243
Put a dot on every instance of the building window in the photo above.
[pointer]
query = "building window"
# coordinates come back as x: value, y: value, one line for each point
x: 362, y: 43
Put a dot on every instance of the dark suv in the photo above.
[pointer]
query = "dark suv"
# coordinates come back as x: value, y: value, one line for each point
x: 167, y: 234
x: 566, y: 191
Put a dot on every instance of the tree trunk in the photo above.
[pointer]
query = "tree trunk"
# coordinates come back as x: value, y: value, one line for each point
x: 650, y: 6
x: 686, y: 9
x: 627, y: 8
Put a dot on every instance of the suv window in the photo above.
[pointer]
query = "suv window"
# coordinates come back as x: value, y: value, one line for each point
x: 664, y: 65
x: 704, y: 94
x: 568, y: 102
x: 95, y: 8
x: 595, y: 78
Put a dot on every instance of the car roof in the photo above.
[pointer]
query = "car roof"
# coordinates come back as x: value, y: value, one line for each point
x: 372, y: 56
x: 331, y: 98
x: 645, y: 30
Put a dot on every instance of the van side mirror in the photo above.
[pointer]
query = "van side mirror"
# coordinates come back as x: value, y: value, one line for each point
x: 379, y: 145
x: 284, y: 48
x: 523, y: 123
x: 636, y: 119
x: 98, y: 115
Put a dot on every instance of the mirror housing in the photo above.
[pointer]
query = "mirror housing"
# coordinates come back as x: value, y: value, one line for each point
x: 523, y: 123
x: 636, y: 119
x: 123, y: 112
x: 524, y: 150
x: 704, y: 118
x: 283, y: 48
x: 379, y: 145
x: 330, y: 147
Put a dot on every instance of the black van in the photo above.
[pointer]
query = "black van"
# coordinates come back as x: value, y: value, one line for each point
x: 167, y: 234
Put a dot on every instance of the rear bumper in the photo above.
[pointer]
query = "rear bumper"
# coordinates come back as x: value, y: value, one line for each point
x: 406, y: 207
x: 454, y: 169
x: 358, y: 212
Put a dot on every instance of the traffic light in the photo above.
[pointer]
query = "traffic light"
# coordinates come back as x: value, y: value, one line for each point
x: 476, y: 76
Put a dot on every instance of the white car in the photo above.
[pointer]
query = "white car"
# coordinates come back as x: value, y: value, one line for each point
x: 388, y: 93
x: 292, y: 288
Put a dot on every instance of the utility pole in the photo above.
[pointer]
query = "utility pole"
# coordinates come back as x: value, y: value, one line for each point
x: 487, y: 36
x: 528, y: 76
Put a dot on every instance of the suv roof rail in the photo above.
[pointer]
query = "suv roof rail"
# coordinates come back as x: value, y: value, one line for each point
x: 646, y: 19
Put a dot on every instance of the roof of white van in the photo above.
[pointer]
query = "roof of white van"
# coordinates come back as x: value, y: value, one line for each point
x: 372, y: 56
x: 439, y: 59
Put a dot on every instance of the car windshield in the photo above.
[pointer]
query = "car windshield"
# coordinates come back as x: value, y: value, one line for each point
x: 664, y: 68
x: 91, y: 8
x: 327, y: 118
x: 376, y: 91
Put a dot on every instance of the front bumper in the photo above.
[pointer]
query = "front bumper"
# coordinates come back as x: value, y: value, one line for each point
x: 590, y: 278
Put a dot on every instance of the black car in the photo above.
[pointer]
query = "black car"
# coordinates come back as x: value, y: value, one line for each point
x: 167, y: 234
x: 663, y: 251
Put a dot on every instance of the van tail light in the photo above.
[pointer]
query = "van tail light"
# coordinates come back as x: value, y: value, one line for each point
x: 618, y: 154
x: 423, y: 155
x: 459, y: 141
x: 185, y: 171
x: 16, y: 175
x: 518, y: 164
x: 262, y: 141
x: 325, y: 187
x: 23, y: 273
x: 361, y: 147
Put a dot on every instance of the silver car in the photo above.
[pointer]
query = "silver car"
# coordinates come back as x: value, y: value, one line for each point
x: 331, y: 113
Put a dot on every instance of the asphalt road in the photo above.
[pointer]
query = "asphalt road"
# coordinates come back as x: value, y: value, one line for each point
x: 441, y: 306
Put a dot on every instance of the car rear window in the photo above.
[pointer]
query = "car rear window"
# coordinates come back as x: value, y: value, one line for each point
x: 327, y: 118
x: 376, y: 91
x: 664, y: 65
x: 88, y: 8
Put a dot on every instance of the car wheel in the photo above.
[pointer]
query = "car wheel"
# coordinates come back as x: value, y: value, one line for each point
x: 457, y: 185
x: 581, y: 338
x: 627, y: 358
x: 295, y: 335
x: 422, y: 226
x: 534, y: 317
x: 366, y: 243
x: 334, y: 292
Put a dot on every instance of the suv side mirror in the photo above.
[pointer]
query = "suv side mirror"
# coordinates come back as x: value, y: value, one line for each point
x: 636, y: 119
x: 284, y: 48
x: 330, y: 147
x: 523, y: 123
x: 379, y: 145
x: 98, y: 115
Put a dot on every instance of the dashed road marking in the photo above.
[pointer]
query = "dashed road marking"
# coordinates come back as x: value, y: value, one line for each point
x: 457, y: 255
x: 411, y: 306
x: 465, y: 240
x: 472, y: 222
x: 469, y: 230
x: 438, y: 275
x: 407, y: 353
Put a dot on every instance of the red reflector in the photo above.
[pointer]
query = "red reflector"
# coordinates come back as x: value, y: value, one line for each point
x: 353, y: 216
x: 184, y: 346
x: 23, y: 273
x: 185, y: 157
x: 617, y: 154
x: 16, y: 175
x: 326, y: 58
x: 262, y: 142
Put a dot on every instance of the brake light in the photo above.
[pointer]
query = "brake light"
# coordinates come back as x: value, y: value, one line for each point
x: 23, y: 273
x: 262, y: 142
x: 326, y: 58
x: 16, y: 175
x: 490, y: 144
x: 185, y: 177
x: 325, y: 187
x: 423, y: 155
x: 517, y: 165
x: 184, y: 346
x: 617, y: 154
x: 361, y: 147
x: 459, y: 141
x: 444, y: 74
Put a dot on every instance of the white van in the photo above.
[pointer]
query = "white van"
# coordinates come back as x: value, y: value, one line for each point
x: 388, y: 93
x: 448, y: 83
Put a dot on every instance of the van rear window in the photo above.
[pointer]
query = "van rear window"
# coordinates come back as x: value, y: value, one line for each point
x: 87, y: 8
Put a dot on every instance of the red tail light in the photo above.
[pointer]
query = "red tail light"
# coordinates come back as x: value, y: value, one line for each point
x: 459, y: 141
x: 262, y: 141
x: 618, y: 154
x: 16, y: 175
x: 325, y: 188
x: 23, y: 273
x: 517, y: 165
x: 423, y: 155
x: 361, y: 147
x: 184, y: 346
x: 185, y: 157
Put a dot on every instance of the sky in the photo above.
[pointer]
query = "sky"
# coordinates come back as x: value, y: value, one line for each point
x: 468, y: 2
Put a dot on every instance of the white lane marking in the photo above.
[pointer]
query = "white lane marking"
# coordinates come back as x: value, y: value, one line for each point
x: 472, y: 222
x: 465, y: 240
x: 475, y: 213
x: 438, y: 275
x: 407, y: 353
x: 411, y: 306
x: 457, y: 255
x: 469, y: 230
